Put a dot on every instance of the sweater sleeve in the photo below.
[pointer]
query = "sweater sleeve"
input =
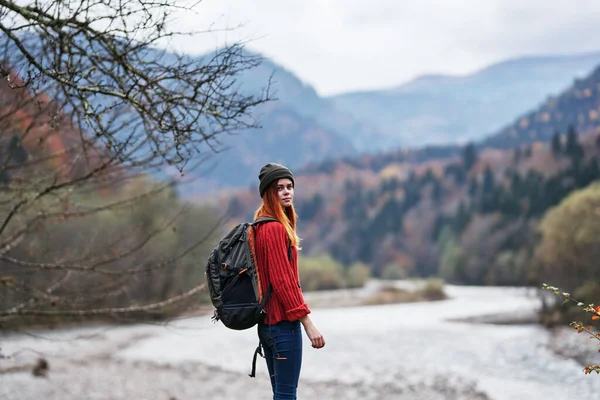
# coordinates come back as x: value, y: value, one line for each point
x: 282, y: 276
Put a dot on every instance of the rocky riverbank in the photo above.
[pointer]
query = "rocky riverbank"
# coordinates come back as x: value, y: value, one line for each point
x: 566, y: 342
x: 421, y: 350
x: 121, y: 380
x: 90, y: 369
x: 85, y: 364
x: 376, y: 292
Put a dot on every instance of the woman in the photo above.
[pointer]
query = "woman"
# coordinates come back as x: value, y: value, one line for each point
x: 276, y: 250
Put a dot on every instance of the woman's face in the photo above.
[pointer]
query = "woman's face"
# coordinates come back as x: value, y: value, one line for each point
x: 285, y: 192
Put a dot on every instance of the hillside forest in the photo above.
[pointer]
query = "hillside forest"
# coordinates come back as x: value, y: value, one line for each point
x: 478, y: 214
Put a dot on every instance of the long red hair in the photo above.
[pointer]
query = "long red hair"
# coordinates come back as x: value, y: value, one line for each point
x: 271, y: 207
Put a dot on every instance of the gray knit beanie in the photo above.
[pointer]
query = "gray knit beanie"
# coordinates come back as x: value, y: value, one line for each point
x: 270, y: 173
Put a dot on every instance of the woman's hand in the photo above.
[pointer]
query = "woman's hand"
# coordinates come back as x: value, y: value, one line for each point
x: 317, y: 340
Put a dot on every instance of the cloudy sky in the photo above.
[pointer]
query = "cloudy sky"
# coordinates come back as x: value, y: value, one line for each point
x: 348, y: 45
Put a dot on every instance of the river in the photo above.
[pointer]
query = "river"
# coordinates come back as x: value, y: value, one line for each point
x: 367, y: 347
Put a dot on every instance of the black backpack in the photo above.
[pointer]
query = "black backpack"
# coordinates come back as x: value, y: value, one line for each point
x: 233, y: 281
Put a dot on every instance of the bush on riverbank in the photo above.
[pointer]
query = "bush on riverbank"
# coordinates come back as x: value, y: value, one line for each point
x: 430, y: 290
x: 324, y: 273
x: 567, y: 252
x: 433, y: 290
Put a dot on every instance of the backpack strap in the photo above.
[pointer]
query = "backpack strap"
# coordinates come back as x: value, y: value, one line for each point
x: 271, y: 219
x: 265, y: 219
x: 266, y: 295
x: 259, y: 347
x: 256, y: 353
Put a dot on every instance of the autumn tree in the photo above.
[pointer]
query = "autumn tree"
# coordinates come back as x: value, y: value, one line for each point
x: 452, y: 257
x: 570, y: 239
x: 96, y: 122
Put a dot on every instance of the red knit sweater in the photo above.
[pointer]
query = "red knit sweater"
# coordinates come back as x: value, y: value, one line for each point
x: 286, y: 302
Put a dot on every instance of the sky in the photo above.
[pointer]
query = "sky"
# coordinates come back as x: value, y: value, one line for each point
x: 341, y: 46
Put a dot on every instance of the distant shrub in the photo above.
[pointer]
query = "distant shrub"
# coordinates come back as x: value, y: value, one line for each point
x: 324, y: 273
x: 320, y: 273
x: 357, y: 275
x: 433, y: 290
x: 389, y: 294
x: 393, y: 272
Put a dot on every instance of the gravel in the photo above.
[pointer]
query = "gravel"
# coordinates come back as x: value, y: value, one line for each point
x: 89, y: 369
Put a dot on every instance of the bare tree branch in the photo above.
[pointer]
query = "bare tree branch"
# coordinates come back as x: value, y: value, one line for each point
x: 108, y: 311
x: 180, y: 101
x: 95, y: 122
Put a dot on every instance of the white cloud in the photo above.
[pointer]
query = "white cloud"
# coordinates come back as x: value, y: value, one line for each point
x: 344, y: 45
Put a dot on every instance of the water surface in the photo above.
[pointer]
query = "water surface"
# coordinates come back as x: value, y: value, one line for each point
x: 417, y: 340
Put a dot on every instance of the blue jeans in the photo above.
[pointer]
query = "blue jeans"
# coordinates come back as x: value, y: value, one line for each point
x: 282, y: 346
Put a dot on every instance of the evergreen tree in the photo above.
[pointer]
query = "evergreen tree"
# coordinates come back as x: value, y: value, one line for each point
x: 437, y: 191
x: 457, y: 171
x: 536, y: 198
x: 572, y: 148
x: 556, y: 144
x: 461, y: 218
x: 428, y: 177
x: 517, y: 154
x: 438, y: 225
x: 516, y: 186
x: 309, y: 209
x: 488, y: 181
x: 388, y: 220
x: 469, y: 156
x: 412, y: 195
x: 508, y: 203
x: 587, y: 173
x: 473, y: 187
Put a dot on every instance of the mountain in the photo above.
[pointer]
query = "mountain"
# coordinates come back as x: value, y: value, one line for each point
x: 468, y: 213
x: 291, y: 128
x: 430, y: 116
x: 296, y: 127
x: 285, y: 137
x: 289, y: 91
x: 440, y: 109
x: 577, y: 107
